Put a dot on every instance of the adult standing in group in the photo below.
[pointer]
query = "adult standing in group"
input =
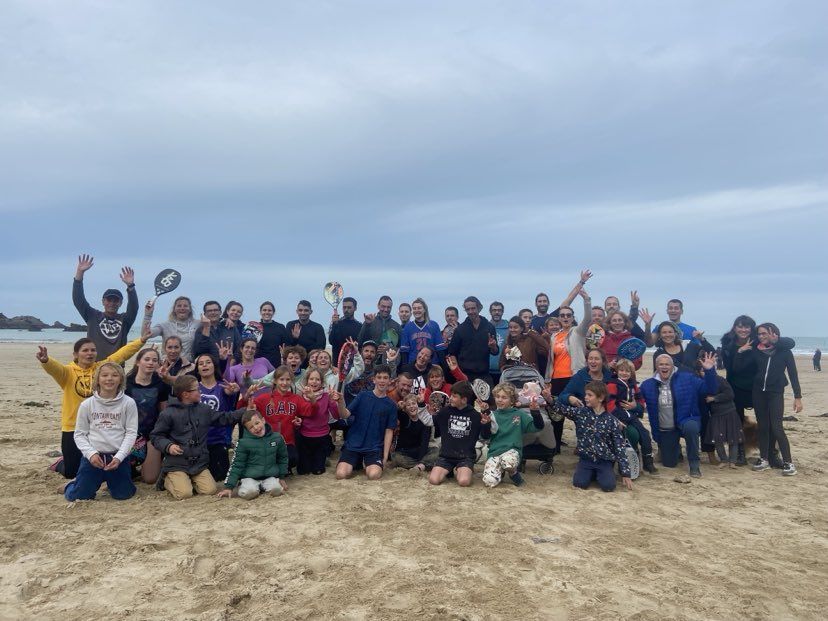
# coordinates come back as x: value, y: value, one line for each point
x: 773, y: 357
x: 214, y: 332
x: 274, y: 335
x: 404, y: 313
x: 532, y: 345
x: 250, y: 369
x: 617, y: 329
x: 501, y: 327
x: 741, y: 379
x: 180, y: 323
x: 304, y: 332
x: 473, y: 342
x: 421, y: 332
x: 612, y: 304
x: 452, y: 316
x: 381, y: 328
x: 675, y: 309
x: 343, y: 328
x: 419, y: 368
x: 817, y: 360
x: 669, y: 341
x: 672, y: 396
x: 108, y: 328
x: 567, y: 354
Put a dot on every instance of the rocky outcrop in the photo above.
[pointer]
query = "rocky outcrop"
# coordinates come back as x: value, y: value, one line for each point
x: 22, y: 322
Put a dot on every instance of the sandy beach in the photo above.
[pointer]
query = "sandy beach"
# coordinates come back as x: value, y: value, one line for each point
x: 732, y: 545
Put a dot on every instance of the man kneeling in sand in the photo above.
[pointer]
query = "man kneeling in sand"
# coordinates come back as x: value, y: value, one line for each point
x: 371, y: 420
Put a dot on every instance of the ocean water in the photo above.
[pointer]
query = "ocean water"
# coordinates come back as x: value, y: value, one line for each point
x: 804, y: 344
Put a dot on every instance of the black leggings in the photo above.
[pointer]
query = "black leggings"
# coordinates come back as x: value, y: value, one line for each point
x: 556, y: 386
x: 219, y: 461
x: 71, y: 455
x: 769, y: 408
x: 312, y: 453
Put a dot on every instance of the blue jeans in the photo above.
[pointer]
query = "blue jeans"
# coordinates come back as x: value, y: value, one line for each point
x: 90, y: 479
x: 669, y: 446
x: 586, y: 471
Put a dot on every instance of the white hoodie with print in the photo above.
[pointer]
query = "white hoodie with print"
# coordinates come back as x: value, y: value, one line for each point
x: 107, y: 426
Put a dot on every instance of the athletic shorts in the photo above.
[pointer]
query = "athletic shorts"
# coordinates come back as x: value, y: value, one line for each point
x: 451, y: 464
x: 355, y: 458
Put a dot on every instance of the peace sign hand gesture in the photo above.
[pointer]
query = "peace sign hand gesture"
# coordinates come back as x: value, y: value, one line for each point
x: 42, y: 354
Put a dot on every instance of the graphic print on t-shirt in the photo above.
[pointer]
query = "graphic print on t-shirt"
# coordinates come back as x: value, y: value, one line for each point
x: 459, y: 426
x: 211, y: 401
x: 110, y: 328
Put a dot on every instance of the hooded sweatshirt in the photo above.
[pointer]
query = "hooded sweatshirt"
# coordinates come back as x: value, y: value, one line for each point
x: 107, y: 426
x: 76, y: 381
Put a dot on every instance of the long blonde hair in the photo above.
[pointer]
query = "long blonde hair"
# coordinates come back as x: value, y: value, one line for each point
x: 109, y: 365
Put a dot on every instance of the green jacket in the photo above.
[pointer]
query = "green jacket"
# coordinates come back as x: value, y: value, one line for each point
x: 258, y: 458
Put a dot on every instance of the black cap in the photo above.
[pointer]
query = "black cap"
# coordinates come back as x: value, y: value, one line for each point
x: 113, y: 293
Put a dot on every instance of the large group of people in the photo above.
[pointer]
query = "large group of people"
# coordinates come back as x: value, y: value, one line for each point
x: 415, y: 394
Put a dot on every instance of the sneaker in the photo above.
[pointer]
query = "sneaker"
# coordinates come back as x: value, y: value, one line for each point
x: 788, y: 469
x: 761, y: 464
x: 776, y: 461
x: 695, y: 473
x: 517, y: 478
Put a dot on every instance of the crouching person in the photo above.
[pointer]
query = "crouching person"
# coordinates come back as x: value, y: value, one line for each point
x: 412, y: 450
x: 260, y: 461
x: 181, y: 436
x: 509, y: 423
x: 600, y: 443
x: 106, y: 429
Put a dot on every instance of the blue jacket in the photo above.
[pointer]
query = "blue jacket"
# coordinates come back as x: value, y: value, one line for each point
x: 687, y: 389
x: 577, y: 385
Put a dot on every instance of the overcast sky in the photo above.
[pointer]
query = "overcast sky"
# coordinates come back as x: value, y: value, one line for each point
x: 419, y: 149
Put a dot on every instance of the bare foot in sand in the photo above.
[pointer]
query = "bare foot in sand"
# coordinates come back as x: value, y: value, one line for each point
x: 722, y: 465
x: 732, y: 465
x: 62, y: 488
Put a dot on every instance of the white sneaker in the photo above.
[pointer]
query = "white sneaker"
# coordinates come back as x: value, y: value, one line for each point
x: 788, y: 470
x: 761, y: 464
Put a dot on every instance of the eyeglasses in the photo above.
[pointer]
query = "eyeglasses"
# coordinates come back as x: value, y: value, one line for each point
x: 566, y: 315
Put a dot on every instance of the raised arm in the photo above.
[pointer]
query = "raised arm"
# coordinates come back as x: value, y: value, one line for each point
x: 581, y: 328
x: 585, y: 276
x: 85, y: 263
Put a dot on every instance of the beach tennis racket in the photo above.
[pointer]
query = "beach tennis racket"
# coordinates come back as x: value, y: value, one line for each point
x: 632, y: 348
x: 166, y: 281
x: 633, y: 461
x: 332, y: 292
x: 345, y: 362
x: 594, y: 336
x: 253, y: 330
x: 438, y: 400
x: 481, y: 389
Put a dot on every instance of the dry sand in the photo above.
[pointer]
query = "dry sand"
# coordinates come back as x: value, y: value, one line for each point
x: 732, y: 545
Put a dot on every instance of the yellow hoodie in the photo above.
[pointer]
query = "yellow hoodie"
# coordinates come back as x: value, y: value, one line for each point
x: 77, y: 382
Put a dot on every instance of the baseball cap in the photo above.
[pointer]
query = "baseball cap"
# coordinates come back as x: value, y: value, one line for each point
x: 113, y: 293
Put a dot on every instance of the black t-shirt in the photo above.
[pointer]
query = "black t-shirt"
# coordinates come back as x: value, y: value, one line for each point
x: 147, y: 399
x: 459, y: 431
x: 274, y: 335
x: 413, y: 436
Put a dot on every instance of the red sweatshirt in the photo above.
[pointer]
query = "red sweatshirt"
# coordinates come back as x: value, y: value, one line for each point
x: 280, y: 410
x: 610, y: 346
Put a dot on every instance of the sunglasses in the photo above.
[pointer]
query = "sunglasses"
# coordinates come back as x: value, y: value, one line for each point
x: 565, y: 315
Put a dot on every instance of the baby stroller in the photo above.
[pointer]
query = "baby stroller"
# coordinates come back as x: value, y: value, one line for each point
x: 540, y: 445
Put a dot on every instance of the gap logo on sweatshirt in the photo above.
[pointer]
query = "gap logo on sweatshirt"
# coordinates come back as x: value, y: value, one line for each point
x: 280, y: 408
x: 110, y: 328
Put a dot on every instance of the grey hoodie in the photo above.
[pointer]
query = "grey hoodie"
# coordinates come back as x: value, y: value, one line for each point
x: 107, y: 426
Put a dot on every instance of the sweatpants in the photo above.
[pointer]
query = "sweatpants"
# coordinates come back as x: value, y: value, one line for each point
x: 89, y: 480
x: 496, y: 466
x: 644, y: 438
x: 180, y: 484
x: 669, y: 446
x: 769, y: 408
x: 251, y: 488
x: 311, y: 453
x: 71, y: 455
x: 587, y: 471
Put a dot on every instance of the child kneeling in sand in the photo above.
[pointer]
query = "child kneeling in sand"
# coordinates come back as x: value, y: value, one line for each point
x: 460, y: 427
x: 106, y: 429
x: 509, y: 423
x: 600, y: 443
x: 181, y: 436
x: 260, y: 462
